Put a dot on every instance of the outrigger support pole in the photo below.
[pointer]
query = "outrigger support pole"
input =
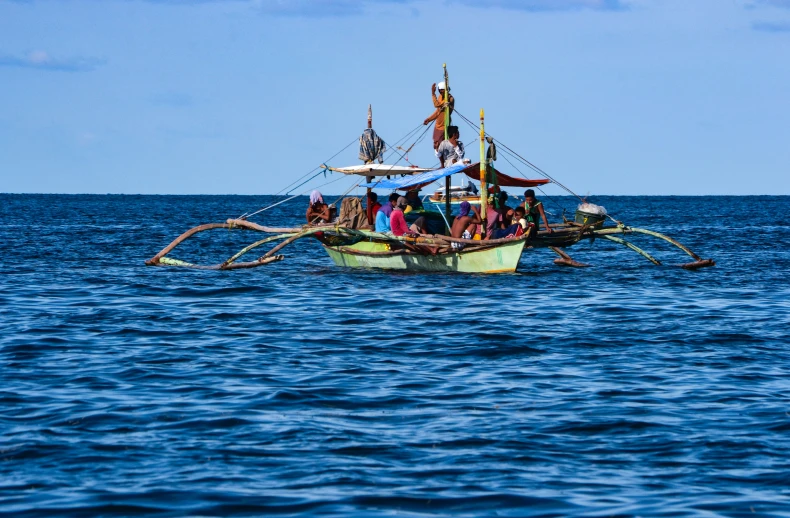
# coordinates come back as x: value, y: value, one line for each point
x: 166, y: 261
x: 565, y: 259
x: 667, y: 239
x: 697, y: 263
x: 634, y: 248
x: 287, y: 234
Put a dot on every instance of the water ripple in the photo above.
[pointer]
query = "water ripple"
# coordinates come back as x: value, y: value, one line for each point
x: 302, y: 388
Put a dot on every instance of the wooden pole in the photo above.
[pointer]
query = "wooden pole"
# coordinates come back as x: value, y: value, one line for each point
x: 483, y: 186
x: 369, y: 178
x: 448, y: 209
x: 446, y: 102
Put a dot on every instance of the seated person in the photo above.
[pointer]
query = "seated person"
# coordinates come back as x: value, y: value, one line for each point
x: 397, y: 221
x: 372, y: 207
x: 318, y: 211
x: 420, y: 226
x: 507, y: 212
x: 451, y: 151
x: 384, y: 213
x: 494, y: 219
x: 519, y: 218
x: 464, y: 222
x: 517, y: 227
x: 413, y: 199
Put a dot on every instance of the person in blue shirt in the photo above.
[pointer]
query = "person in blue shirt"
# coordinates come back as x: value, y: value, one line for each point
x: 384, y: 213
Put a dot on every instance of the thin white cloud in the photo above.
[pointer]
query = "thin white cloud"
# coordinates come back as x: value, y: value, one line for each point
x: 42, y: 60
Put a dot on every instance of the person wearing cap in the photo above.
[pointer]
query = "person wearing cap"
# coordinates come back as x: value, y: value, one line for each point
x: 397, y: 220
x: 438, y: 114
x: 534, y: 211
x: 463, y: 222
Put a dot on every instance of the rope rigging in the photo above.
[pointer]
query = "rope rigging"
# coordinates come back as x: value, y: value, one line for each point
x: 395, y: 149
x: 524, y: 160
x: 289, y: 187
x: 531, y: 166
x: 293, y: 185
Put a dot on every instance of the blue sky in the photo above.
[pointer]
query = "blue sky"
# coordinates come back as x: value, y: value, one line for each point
x: 245, y: 96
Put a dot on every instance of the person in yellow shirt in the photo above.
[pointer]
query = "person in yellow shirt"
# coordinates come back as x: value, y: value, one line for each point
x: 438, y: 114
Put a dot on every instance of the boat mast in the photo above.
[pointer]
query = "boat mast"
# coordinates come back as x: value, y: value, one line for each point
x: 369, y: 179
x: 483, y: 186
x: 447, y: 182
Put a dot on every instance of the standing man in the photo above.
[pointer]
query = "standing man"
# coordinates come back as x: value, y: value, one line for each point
x: 438, y: 114
x: 534, y: 211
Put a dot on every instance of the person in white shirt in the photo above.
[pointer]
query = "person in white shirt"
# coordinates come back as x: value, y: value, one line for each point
x: 451, y: 151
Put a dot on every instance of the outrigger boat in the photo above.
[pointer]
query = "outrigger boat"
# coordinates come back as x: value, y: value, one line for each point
x: 350, y: 242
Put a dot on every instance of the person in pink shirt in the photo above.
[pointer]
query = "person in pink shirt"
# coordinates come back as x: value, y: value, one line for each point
x: 397, y: 220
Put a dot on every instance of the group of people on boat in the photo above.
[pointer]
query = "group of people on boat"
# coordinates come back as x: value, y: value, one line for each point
x: 501, y: 221
x: 389, y: 217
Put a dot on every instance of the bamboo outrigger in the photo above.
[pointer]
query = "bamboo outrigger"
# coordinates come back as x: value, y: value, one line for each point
x: 352, y: 245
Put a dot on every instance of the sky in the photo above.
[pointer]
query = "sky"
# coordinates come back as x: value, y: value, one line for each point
x: 636, y: 97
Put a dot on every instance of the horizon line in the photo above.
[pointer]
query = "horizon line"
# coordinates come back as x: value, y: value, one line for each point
x: 330, y: 194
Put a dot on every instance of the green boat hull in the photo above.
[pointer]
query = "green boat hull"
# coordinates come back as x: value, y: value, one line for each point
x: 501, y: 258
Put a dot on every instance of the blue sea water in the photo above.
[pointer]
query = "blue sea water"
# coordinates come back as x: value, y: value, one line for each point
x: 300, y: 388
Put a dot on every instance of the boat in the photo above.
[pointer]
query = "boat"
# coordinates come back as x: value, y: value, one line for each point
x: 350, y: 241
x: 458, y: 194
x: 389, y: 255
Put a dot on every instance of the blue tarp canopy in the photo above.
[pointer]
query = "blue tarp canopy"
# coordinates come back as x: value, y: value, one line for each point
x: 416, y: 179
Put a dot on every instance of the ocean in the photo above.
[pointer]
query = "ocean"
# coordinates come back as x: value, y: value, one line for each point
x: 301, y: 388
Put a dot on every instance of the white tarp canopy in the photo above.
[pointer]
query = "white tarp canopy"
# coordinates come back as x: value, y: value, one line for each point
x: 379, y: 170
